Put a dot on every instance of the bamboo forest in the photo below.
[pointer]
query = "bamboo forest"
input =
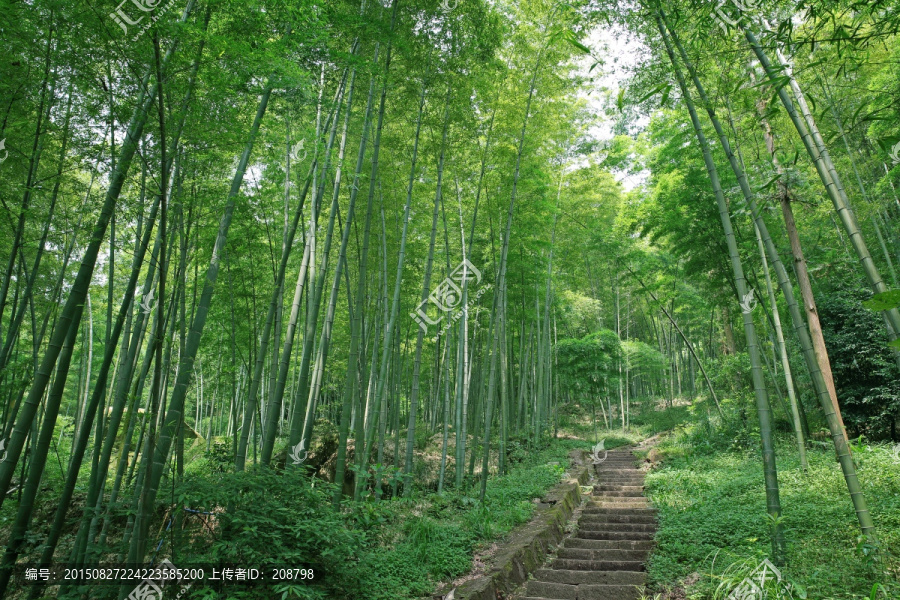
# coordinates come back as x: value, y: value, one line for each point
x: 450, y: 299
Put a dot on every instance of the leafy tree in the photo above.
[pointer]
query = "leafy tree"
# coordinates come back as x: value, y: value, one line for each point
x: 866, y: 375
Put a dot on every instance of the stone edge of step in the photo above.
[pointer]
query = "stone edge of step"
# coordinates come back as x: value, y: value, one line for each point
x: 529, y: 543
x: 604, y: 591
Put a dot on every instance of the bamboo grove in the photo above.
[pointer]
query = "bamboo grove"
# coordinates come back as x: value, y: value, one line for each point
x: 327, y: 236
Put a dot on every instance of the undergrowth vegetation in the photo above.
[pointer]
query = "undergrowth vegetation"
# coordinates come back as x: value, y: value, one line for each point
x: 385, y: 550
x: 712, y: 510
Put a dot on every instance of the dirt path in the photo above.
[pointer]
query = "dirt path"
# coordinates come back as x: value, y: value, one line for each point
x: 604, y: 559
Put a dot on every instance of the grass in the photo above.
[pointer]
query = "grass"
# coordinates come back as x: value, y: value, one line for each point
x: 711, y: 501
x: 424, y: 541
x: 647, y: 418
x: 708, y: 488
x: 395, y: 548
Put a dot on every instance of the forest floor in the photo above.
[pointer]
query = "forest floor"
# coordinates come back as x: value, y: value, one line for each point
x: 609, y: 537
x: 712, y: 520
x: 705, y: 480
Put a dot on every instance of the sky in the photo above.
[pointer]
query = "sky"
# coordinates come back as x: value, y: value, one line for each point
x: 620, y: 54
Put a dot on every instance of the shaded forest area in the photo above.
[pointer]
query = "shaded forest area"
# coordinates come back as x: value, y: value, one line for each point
x: 336, y: 286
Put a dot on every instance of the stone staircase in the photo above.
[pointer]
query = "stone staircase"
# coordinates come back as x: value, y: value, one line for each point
x: 605, y: 558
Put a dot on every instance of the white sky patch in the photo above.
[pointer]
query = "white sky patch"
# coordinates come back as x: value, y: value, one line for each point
x: 620, y: 54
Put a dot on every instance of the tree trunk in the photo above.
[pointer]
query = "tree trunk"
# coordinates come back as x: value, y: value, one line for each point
x: 426, y: 286
x: 72, y: 311
x: 250, y: 406
x: 817, y: 151
x: 773, y: 503
x: 687, y: 342
x: 782, y: 352
x: 174, y: 414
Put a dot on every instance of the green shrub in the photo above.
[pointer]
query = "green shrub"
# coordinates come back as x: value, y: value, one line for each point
x: 268, y: 519
x: 710, y: 494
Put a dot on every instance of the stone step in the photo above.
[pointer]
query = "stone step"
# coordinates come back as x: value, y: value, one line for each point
x: 617, y: 467
x: 569, y: 564
x: 620, y: 503
x: 606, y: 526
x: 593, y: 507
x: 609, y: 592
x: 617, y: 554
x: 603, y: 497
x: 605, y: 510
x: 603, y: 518
x: 603, y: 467
x: 609, y: 544
x: 620, y: 483
x: 583, y: 592
x: 590, y: 577
x: 612, y: 485
x: 625, y: 502
x: 601, y: 534
x: 619, y: 493
x: 628, y: 469
x: 621, y: 527
x: 546, y: 589
x: 605, y: 558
